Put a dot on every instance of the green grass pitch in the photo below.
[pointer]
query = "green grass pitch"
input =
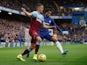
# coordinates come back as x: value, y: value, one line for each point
x: 77, y: 56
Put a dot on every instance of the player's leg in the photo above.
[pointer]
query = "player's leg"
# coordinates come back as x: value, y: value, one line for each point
x: 54, y: 38
x: 35, y: 38
x: 38, y: 44
x: 35, y: 35
x: 58, y: 44
x: 20, y: 56
x: 31, y: 48
x: 33, y: 44
x: 39, y: 40
x: 27, y: 51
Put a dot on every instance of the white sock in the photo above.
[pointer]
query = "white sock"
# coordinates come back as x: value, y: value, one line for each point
x: 59, y: 46
x: 38, y: 43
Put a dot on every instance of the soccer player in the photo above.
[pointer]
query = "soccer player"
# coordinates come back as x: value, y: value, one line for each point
x: 36, y: 20
x: 44, y: 33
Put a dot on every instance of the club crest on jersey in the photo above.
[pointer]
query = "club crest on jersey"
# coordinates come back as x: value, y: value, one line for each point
x: 49, y: 21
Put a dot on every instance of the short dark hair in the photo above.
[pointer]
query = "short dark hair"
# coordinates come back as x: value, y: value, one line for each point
x: 48, y: 9
x: 39, y: 4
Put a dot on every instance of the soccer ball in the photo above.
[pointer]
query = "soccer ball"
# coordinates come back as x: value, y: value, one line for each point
x: 42, y: 57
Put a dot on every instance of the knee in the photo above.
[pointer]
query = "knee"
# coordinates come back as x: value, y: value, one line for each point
x: 54, y: 39
x: 39, y: 39
x: 32, y: 45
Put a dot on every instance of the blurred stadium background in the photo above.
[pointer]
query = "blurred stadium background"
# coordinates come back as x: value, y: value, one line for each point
x: 70, y: 15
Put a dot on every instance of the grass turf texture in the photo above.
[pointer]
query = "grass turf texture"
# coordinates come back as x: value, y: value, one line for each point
x: 77, y: 56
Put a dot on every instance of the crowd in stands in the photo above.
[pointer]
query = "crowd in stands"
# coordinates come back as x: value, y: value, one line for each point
x: 76, y: 33
x: 10, y: 30
x: 59, y: 7
x: 13, y: 4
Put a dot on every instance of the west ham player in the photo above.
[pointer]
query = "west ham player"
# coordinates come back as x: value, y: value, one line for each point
x: 44, y: 33
x: 35, y: 23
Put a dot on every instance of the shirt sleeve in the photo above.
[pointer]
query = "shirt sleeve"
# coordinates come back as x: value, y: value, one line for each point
x: 43, y: 18
x: 34, y: 13
x: 58, y: 28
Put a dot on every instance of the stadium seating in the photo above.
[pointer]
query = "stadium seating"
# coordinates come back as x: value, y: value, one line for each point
x: 10, y: 29
x: 57, y: 6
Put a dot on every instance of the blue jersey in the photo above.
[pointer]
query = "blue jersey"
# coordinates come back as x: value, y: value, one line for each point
x: 45, y: 33
x: 48, y: 22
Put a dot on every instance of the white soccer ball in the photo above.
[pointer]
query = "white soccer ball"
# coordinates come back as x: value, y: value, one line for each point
x: 42, y: 57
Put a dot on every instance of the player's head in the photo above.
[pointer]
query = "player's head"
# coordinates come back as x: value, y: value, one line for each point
x: 48, y: 12
x: 40, y: 7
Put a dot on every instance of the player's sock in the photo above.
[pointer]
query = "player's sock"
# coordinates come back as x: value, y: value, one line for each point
x: 29, y: 50
x: 36, y: 50
x: 59, y: 46
x: 37, y: 47
x: 25, y: 52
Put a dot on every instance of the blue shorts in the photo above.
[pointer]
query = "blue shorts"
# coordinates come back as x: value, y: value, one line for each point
x: 46, y: 35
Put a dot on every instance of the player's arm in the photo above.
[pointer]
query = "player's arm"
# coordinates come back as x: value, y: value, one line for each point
x: 57, y: 27
x: 26, y: 13
x: 48, y: 27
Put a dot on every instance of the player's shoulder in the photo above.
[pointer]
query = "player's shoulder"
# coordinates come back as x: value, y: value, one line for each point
x: 34, y: 12
x: 51, y: 18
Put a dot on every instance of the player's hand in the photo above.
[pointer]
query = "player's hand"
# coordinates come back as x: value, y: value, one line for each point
x: 53, y: 27
x: 23, y: 9
x: 23, y: 14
